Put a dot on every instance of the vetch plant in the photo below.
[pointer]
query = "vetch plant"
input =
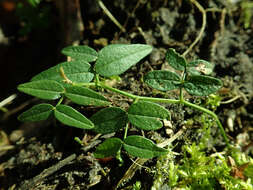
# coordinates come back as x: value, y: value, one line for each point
x: 75, y: 80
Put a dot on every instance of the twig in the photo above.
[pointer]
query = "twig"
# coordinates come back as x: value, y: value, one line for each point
x: 129, y: 15
x: 37, y: 179
x: 230, y: 100
x: 109, y: 14
x: 7, y: 100
x: 202, y: 10
x: 17, y: 109
x: 170, y: 140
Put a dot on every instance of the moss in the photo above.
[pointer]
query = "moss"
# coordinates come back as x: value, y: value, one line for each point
x: 195, y: 169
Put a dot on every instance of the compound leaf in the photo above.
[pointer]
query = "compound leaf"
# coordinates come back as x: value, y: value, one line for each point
x: 71, y: 117
x: 115, y: 59
x: 85, y: 96
x: 85, y: 53
x: 175, y: 60
x: 109, y: 120
x: 37, y: 113
x: 44, y: 89
x: 199, y: 66
x: 162, y: 80
x: 141, y: 147
x: 76, y: 71
x: 110, y: 147
x: 200, y: 85
x: 147, y: 115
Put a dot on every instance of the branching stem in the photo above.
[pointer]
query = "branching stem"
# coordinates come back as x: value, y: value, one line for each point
x: 170, y: 101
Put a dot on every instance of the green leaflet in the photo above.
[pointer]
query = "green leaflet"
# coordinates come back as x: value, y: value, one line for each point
x: 37, y: 113
x: 76, y: 71
x: 71, y: 117
x: 110, y: 147
x: 109, y: 120
x: 115, y: 59
x: 85, y: 96
x: 162, y: 80
x: 84, y: 53
x: 175, y: 60
x: 44, y: 89
x: 199, y: 66
x: 202, y: 85
x: 141, y: 147
x: 147, y: 115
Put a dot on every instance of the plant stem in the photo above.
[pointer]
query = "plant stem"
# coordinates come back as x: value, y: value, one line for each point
x: 60, y: 101
x: 211, y: 114
x: 203, y: 12
x: 168, y: 101
x: 109, y: 14
x: 135, y: 97
x: 126, y: 129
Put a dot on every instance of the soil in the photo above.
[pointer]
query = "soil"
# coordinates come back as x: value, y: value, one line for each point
x: 43, y: 155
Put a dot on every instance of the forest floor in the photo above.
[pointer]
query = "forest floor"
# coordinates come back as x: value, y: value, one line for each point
x: 42, y: 155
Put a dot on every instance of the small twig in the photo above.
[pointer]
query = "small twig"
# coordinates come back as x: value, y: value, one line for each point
x: 129, y: 15
x: 214, y: 10
x: 202, y: 10
x: 37, y: 179
x: 222, y: 21
x: 230, y: 100
x: 170, y: 140
x: 91, y: 145
x: 17, y: 109
x: 109, y: 14
x: 7, y: 100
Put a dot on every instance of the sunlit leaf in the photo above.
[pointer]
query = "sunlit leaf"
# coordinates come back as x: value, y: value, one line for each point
x: 76, y: 71
x: 44, y: 89
x: 141, y: 147
x: 71, y: 117
x: 84, y: 53
x: 85, y: 96
x: 147, y: 115
x: 37, y: 113
x: 109, y: 120
x: 109, y: 147
x: 115, y: 59
x: 162, y: 80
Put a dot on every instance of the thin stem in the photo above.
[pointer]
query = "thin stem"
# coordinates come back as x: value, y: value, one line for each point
x: 135, y: 97
x: 97, y: 79
x: 85, y: 84
x: 109, y: 14
x: 161, y: 100
x: 59, y: 102
x: 126, y: 129
x: 117, y: 91
x: 211, y: 114
x: 202, y: 10
x: 7, y: 100
x: 181, y: 95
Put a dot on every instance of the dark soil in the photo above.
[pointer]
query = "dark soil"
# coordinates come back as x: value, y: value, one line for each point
x: 32, y: 155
